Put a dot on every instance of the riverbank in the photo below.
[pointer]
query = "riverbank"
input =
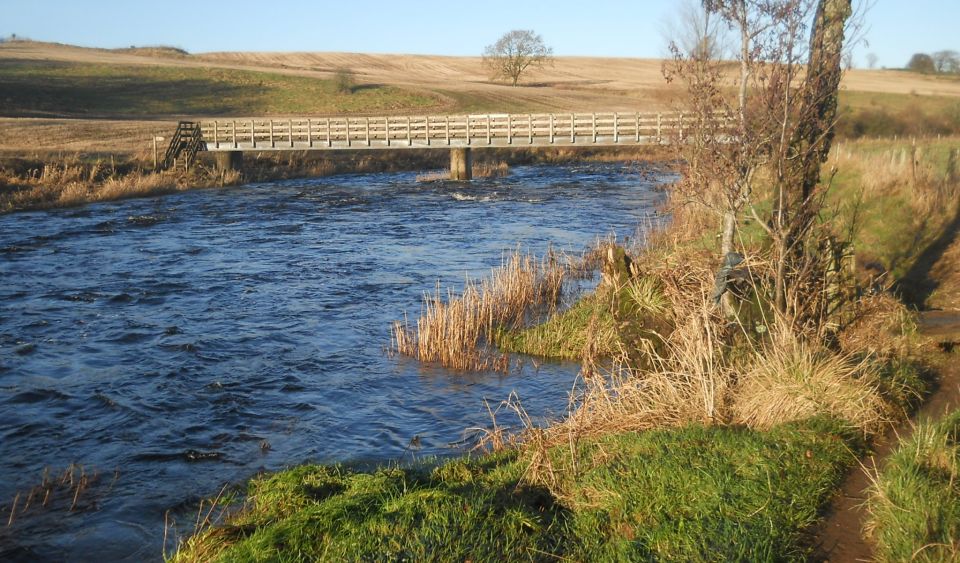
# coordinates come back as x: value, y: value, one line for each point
x: 55, y: 180
x: 703, y: 443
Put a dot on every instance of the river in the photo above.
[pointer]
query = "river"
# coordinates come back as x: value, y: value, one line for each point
x: 177, y: 344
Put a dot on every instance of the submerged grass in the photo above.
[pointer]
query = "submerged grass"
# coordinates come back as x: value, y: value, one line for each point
x: 693, y: 494
x: 915, y: 500
x: 455, y: 330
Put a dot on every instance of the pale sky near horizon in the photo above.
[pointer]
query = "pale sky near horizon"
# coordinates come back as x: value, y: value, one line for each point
x: 616, y: 28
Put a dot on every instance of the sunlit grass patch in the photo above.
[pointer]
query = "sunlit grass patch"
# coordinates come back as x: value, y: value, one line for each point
x: 693, y: 494
x: 915, y: 500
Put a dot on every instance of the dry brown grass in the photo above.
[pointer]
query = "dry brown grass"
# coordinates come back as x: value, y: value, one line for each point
x: 72, y: 183
x: 792, y: 380
x: 880, y: 326
x: 454, y: 330
x: 687, y: 380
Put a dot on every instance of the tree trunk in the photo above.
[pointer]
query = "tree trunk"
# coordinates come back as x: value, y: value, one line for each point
x: 820, y: 93
x: 811, y: 139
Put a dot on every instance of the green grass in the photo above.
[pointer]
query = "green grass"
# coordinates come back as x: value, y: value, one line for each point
x: 42, y: 88
x: 873, y: 114
x: 889, y: 228
x: 692, y: 494
x: 607, y: 320
x: 915, y: 503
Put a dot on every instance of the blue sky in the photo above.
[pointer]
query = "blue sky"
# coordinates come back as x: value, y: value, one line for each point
x: 628, y: 28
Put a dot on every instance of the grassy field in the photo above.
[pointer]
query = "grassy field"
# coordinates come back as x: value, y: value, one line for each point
x: 157, y: 86
x: 58, y: 89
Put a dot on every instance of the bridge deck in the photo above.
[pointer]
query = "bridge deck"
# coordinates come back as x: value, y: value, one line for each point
x: 488, y: 130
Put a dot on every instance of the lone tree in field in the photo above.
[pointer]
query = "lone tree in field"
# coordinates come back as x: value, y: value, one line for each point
x: 514, y: 53
x: 922, y: 62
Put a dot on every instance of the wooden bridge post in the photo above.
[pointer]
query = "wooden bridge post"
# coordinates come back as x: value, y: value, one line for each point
x: 461, y: 164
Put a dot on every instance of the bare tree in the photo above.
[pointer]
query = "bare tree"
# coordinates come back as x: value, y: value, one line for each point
x: 946, y: 61
x: 847, y: 61
x: 872, y: 59
x: 514, y: 53
x: 696, y: 31
x: 785, y: 115
x: 344, y: 80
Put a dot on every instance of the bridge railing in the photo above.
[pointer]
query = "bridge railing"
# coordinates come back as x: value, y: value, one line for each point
x: 503, y: 130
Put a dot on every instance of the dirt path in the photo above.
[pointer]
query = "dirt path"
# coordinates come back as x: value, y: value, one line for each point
x: 840, y: 537
x: 933, y: 283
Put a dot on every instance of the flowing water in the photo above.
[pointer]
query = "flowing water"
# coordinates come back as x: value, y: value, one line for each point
x: 181, y: 343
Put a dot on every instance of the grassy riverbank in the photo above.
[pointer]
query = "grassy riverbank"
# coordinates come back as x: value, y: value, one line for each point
x: 704, y: 443
x: 629, y: 496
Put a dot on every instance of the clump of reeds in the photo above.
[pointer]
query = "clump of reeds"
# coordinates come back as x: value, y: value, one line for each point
x: 455, y: 330
x: 56, y: 489
x: 71, y: 182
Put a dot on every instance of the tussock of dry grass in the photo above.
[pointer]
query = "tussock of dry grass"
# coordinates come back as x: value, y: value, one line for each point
x: 794, y: 380
x: 688, y: 381
x: 881, y: 326
x: 453, y: 330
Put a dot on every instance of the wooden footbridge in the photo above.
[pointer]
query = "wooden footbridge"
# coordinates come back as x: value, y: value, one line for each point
x: 460, y: 133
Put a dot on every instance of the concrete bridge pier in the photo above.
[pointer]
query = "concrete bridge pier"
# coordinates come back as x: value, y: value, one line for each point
x: 461, y: 164
x: 229, y: 160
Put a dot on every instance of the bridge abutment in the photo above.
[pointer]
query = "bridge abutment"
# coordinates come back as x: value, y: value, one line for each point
x: 461, y: 164
x: 229, y: 160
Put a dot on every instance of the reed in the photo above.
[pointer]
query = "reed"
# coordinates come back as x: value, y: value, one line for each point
x: 67, y: 490
x: 456, y: 330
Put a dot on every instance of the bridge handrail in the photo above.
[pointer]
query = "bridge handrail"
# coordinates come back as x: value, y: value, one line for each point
x: 445, y: 130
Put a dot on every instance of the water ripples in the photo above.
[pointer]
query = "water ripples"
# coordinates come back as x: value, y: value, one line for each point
x: 197, y: 339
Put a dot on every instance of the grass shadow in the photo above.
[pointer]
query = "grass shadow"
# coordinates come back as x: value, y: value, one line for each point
x: 917, y: 285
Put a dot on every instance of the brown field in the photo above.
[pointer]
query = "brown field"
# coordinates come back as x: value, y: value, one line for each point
x: 458, y: 83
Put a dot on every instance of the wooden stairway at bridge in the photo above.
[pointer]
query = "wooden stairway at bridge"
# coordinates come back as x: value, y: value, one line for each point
x: 186, y: 142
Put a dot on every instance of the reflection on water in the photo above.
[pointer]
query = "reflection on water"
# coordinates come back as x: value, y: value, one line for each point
x: 196, y: 339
